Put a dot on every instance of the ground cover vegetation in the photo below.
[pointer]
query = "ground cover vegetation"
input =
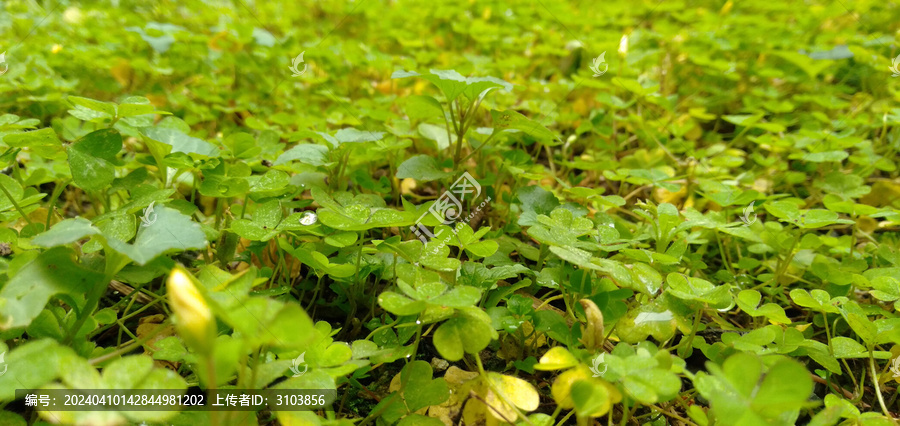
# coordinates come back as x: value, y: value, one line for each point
x: 454, y: 212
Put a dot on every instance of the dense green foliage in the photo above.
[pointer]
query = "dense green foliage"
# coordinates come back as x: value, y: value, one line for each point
x: 674, y: 212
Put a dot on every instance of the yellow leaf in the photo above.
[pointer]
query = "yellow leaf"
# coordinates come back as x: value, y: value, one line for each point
x: 474, y: 412
x: 557, y: 358
x: 460, y: 382
x: 664, y: 196
x: 419, y: 87
x: 158, y: 101
x: 562, y: 388
x: 537, y: 340
x: 122, y: 72
x: 726, y: 8
x: 407, y: 185
x: 883, y: 193
x: 298, y: 418
x: 580, y: 107
x: 510, y: 390
x: 867, y: 224
x: 456, y: 376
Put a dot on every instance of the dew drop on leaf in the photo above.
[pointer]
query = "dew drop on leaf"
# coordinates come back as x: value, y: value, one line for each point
x: 308, y: 218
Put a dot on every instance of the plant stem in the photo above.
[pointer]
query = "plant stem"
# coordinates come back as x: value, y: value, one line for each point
x: 138, y: 343
x: 877, y: 387
x: 458, y: 153
x: 211, y: 385
x: 479, y: 147
x: 382, y: 328
x: 542, y: 254
x: 690, y: 339
x: 56, y: 193
x: 93, y: 300
x: 15, y: 204
x: 827, y: 333
x: 563, y: 420
x: 416, y: 345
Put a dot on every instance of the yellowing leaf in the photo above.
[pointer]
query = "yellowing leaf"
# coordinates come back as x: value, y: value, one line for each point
x: 512, y: 390
x: 557, y: 358
x: 122, y: 72
x: 562, y: 387
x: 561, y: 390
x: 501, y: 393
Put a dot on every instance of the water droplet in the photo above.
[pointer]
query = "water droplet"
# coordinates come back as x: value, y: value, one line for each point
x: 308, y: 218
x: 222, y: 188
x: 418, y: 322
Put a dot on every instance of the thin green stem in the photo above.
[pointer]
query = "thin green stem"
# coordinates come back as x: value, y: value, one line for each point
x: 15, y: 204
x: 479, y: 147
x: 57, y: 191
x: 877, y: 387
x: 827, y: 333
x: 690, y: 339
x: 211, y: 386
x: 542, y: 254
x: 563, y: 420
x: 93, y: 300
x: 137, y: 343
x: 386, y: 326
